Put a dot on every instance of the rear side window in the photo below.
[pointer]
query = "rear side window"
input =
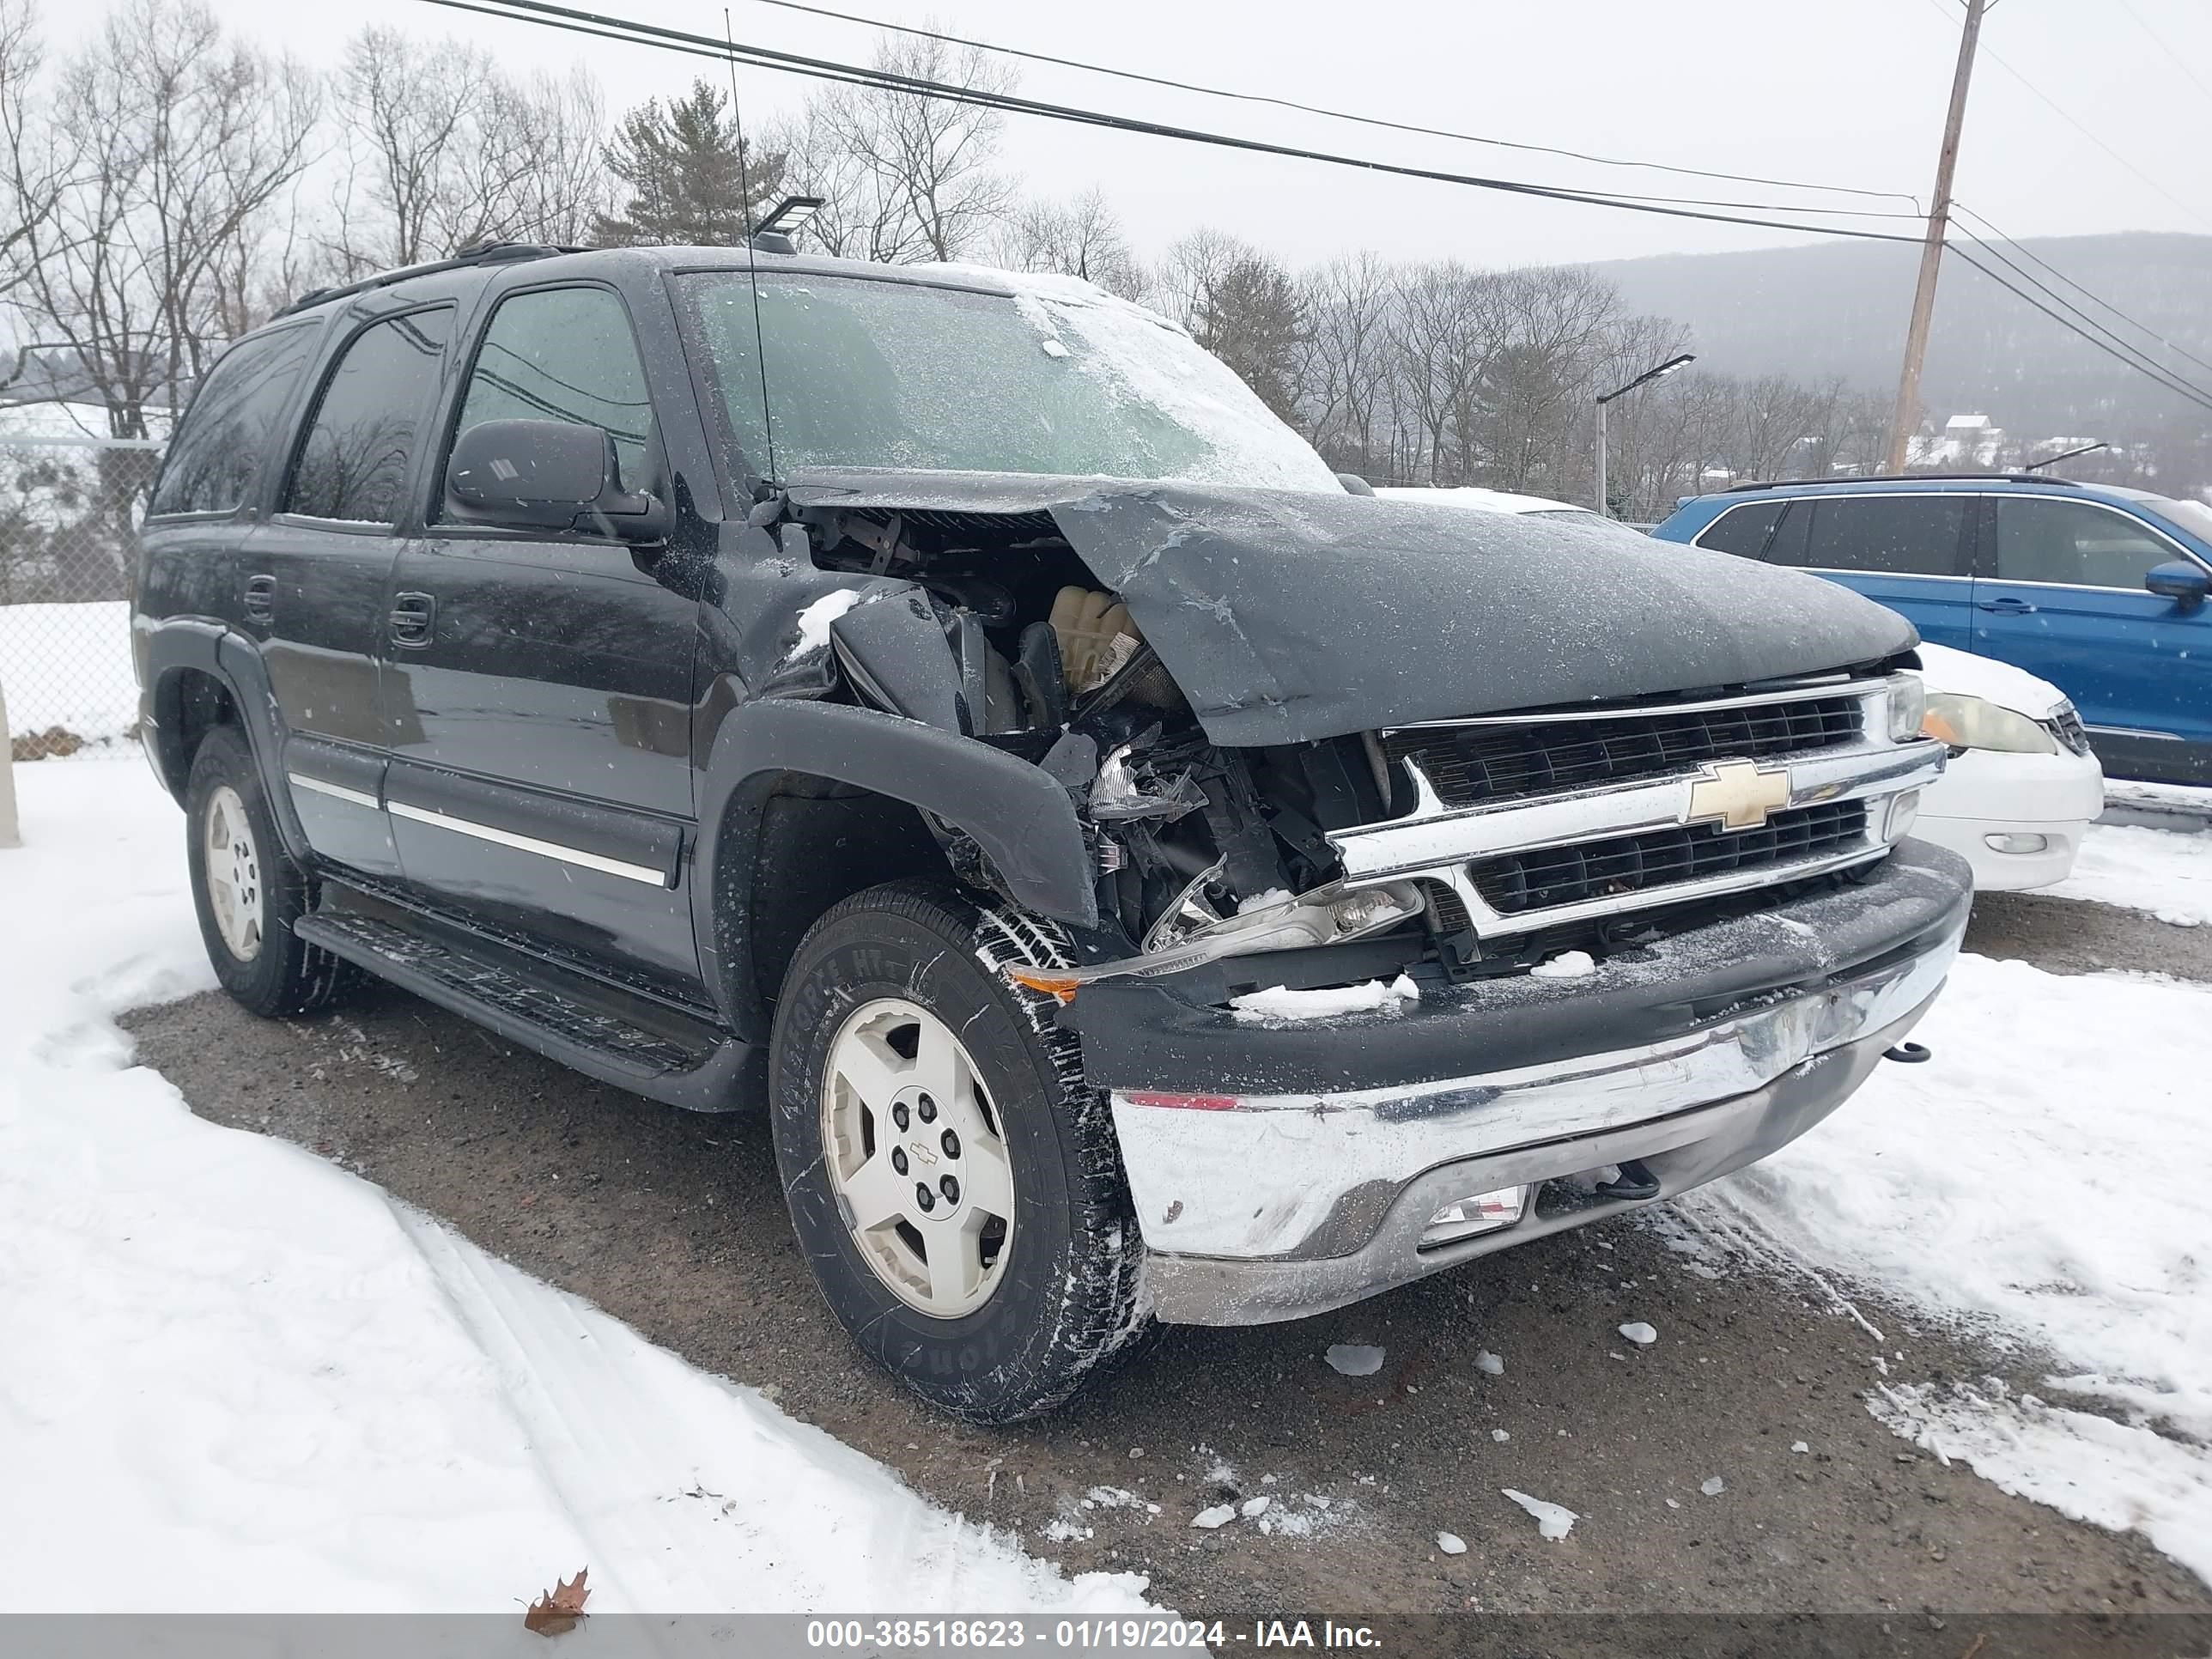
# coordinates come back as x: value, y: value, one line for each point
x: 354, y: 461
x: 217, y: 453
x: 1743, y: 530
x: 2073, y: 543
x: 1903, y: 535
x: 564, y: 355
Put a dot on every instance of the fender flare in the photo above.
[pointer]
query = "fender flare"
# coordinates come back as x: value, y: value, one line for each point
x: 232, y: 662
x: 1023, y: 820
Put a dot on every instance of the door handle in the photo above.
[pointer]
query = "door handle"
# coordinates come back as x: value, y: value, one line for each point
x: 260, y: 598
x: 414, y: 617
x: 2005, y: 607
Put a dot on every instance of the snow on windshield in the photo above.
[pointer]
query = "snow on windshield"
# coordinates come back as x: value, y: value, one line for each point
x: 1057, y: 377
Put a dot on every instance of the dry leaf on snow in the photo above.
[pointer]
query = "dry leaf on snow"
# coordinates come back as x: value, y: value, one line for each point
x: 555, y: 1612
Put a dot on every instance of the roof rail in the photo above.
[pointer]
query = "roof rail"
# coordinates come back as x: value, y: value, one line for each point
x: 1903, y: 478
x: 485, y: 254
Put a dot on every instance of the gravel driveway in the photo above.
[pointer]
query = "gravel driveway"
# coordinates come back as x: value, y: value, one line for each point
x: 675, y: 1223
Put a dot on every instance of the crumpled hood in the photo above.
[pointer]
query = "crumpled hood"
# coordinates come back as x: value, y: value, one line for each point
x: 1288, y: 617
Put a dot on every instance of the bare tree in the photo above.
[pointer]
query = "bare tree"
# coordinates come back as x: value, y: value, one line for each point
x: 1081, y: 238
x: 192, y: 143
x: 905, y: 177
x: 1346, y: 363
x: 445, y: 151
x: 40, y: 153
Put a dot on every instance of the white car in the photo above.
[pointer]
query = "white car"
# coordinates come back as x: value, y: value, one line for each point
x: 2021, y: 786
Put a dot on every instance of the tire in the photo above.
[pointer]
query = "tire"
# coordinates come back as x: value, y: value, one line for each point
x: 1015, y: 1313
x: 247, y: 890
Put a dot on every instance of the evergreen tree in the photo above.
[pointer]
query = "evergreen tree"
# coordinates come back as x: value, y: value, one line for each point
x: 678, y: 160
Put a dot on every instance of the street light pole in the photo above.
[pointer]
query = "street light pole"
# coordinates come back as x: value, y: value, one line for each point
x: 1604, y: 508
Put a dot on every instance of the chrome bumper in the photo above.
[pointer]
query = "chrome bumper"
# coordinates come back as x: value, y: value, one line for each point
x: 1288, y: 1205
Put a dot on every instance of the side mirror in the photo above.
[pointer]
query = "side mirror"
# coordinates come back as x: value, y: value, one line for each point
x: 1354, y: 485
x: 545, y: 474
x: 2185, y: 583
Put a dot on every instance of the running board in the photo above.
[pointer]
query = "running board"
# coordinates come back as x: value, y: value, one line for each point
x: 649, y: 1050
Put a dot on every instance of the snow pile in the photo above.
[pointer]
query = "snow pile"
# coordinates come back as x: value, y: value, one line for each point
x: 2044, y: 1175
x: 1641, y: 1335
x: 1964, y: 674
x: 69, y: 665
x: 1278, y: 1005
x: 1568, y: 965
x: 1554, y: 1521
x: 2162, y: 871
x: 239, y: 1379
x: 1353, y: 1359
x: 1451, y: 1543
x: 814, y: 621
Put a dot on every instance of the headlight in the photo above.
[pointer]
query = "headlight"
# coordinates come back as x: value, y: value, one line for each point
x: 1908, y: 702
x: 1965, y: 722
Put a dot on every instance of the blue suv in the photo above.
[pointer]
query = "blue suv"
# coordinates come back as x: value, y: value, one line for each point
x: 2099, y: 590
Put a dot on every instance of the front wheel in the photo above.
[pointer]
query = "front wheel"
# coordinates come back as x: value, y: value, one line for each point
x: 954, y: 1183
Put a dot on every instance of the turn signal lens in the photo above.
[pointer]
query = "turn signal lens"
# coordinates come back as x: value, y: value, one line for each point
x: 1053, y: 985
x: 1908, y: 702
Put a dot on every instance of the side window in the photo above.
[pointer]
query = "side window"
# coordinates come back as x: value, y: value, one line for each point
x: 217, y: 453
x: 2073, y: 542
x: 1743, y: 530
x: 1905, y: 535
x: 564, y: 354
x: 354, y: 461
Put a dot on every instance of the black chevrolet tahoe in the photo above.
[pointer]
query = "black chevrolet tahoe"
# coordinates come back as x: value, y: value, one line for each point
x: 1144, y: 877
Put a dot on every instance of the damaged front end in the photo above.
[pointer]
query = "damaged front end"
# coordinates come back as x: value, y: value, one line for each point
x: 1297, y: 731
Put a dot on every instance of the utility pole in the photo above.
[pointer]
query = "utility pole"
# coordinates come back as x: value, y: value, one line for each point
x: 1907, y: 414
x: 1659, y: 373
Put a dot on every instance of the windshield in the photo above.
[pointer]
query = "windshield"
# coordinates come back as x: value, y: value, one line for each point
x: 864, y: 373
x: 2193, y: 516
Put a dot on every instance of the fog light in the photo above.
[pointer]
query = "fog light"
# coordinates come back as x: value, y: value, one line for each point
x: 2016, y: 843
x: 1904, y: 812
x: 1480, y: 1212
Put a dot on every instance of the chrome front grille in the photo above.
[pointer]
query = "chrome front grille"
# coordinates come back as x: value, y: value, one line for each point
x: 1527, y: 822
x: 1548, y: 876
x: 1471, y: 764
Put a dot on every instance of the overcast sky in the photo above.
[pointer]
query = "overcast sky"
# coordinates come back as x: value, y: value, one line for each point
x: 1846, y: 92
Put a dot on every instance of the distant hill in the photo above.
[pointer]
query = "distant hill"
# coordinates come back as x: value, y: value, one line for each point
x: 1840, y: 309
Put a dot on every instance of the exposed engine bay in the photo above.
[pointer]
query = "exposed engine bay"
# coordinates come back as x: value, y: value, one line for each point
x: 995, y: 625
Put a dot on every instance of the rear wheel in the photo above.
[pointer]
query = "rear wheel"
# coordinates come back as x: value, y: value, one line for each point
x: 954, y: 1181
x: 247, y: 890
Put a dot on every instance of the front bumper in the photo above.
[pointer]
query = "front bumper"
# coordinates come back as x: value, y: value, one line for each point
x: 1986, y: 800
x: 1293, y: 1201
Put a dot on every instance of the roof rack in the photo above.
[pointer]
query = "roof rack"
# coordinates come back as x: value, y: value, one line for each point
x: 1904, y: 477
x: 485, y: 254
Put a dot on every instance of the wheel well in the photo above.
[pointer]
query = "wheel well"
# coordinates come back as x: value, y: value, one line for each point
x: 189, y: 703
x: 817, y: 842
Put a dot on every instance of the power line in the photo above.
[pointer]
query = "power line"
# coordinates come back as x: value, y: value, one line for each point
x: 2093, y: 330
x: 1347, y: 115
x: 2172, y: 57
x: 541, y: 13
x: 2162, y: 377
x: 2067, y: 116
x: 2090, y: 294
x: 623, y: 30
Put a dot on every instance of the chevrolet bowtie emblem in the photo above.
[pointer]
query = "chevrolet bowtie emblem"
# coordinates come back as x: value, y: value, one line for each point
x: 1736, y: 794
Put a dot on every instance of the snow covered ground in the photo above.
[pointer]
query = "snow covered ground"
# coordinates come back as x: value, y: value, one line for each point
x: 2041, y: 1180
x: 235, y: 1377
x: 2165, y: 873
x: 69, y: 665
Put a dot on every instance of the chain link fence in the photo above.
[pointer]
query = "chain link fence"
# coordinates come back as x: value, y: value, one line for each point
x: 68, y: 506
